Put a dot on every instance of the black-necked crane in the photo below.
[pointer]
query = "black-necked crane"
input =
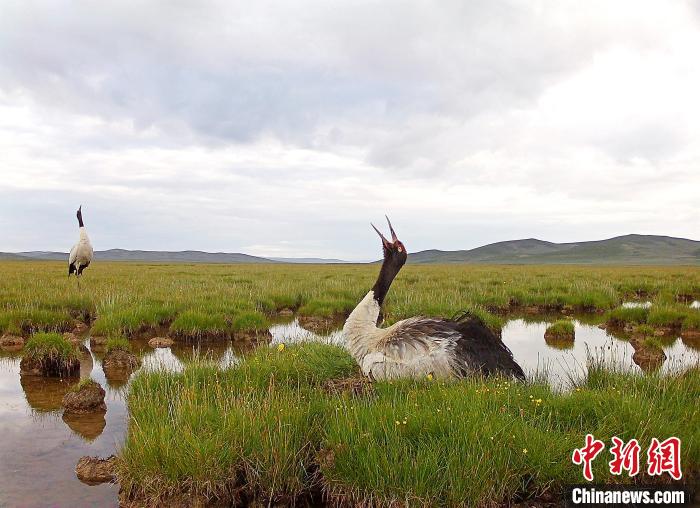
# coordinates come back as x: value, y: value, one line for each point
x: 81, y: 254
x: 420, y: 346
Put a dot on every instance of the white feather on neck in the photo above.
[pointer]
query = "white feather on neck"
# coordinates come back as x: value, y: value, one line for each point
x: 360, y: 330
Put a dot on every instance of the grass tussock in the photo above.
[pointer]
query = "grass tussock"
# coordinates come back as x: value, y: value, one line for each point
x: 622, y: 316
x: 51, y: 353
x: 561, y: 328
x: 268, y: 427
x: 51, y: 346
x: 117, y: 343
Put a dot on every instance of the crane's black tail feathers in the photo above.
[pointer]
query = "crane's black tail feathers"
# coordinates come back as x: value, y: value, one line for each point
x: 71, y: 269
x: 468, y: 315
x: 480, y: 342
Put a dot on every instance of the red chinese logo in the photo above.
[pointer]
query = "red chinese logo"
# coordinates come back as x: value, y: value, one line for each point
x: 665, y: 457
x: 586, y: 455
x: 626, y: 456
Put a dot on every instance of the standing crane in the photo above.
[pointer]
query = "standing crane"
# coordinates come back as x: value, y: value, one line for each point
x: 81, y: 254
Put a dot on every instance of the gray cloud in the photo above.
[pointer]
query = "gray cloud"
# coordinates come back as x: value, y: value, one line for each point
x: 503, y: 119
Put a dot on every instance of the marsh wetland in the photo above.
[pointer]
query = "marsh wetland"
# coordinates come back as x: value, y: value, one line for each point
x: 238, y: 407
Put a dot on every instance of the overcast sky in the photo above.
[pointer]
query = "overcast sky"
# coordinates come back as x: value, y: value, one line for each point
x: 283, y: 129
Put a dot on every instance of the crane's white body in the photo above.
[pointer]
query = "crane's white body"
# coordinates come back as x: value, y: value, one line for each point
x: 400, y: 350
x: 81, y: 254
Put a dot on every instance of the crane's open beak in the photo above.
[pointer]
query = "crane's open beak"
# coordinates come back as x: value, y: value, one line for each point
x: 386, y: 242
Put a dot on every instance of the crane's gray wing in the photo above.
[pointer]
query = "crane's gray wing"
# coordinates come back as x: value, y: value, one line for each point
x: 416, y: 338
x: 470, y: 346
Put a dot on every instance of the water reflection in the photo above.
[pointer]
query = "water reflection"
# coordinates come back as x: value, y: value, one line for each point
x: 44, y: 394
x: 691, y: 340
x: 637, y: 305
x: 559, y: 342
x: 293, y: 333
x: 558, y: 362
x: 87, y: 426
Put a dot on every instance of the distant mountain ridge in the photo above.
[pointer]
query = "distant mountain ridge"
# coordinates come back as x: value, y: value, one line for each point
x: 621, y: 250
x: 627, y: 249
x: 185, y: 256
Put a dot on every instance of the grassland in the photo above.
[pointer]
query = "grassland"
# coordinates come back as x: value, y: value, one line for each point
x: 225, y: 301
x: 272, y: 429
x: 276, y: 426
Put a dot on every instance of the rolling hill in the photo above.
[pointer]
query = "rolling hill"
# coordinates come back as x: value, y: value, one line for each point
x: 627, y: 250
x: 621, y: 250
x: 186, y: 256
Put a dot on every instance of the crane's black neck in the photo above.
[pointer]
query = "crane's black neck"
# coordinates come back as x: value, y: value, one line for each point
x: 80, y: 218
x: 386, y: 276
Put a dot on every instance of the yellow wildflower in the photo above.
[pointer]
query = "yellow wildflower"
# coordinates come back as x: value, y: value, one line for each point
x: 280, y: 347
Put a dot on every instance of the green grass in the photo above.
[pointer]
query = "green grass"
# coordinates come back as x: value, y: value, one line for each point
x: 267, y: 425
x: 653, y: 343
x: 199, y: 324
x: 29, y: 321
x: 50, y: 345
x: 561, y: 328
x: 667, y: 315
x: 327, y: 307
x: 117, y: 344
x: 644, y: 330
x: 622, y: 315
x: 249, y: 321
x: 205, y: 300
x: 692, y: 320
x: 55, y: 354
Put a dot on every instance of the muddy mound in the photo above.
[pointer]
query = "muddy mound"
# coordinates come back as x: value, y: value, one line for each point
x: 80, y: 328
x: 320, y: 324
x: 118, y: 365
x: 98, y: 344
x: 253, y: 336
x: 86, y: 397
x: 157, y: 342
x: 73, y: 338
x: 649, y: 359
x: 94, y: 470
x: 50, y: 367
x: 11, y: 342
x: 118, y: 359
x: 647, y: 354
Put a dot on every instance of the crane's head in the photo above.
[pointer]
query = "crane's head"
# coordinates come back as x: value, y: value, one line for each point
x: 394, y: 251
x: 79, y: 215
